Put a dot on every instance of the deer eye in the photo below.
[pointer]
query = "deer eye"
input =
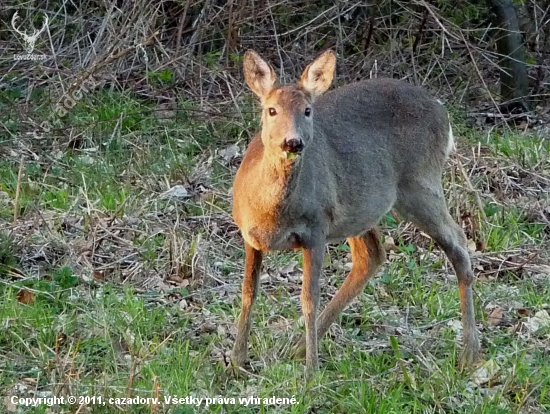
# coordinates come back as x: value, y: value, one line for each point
x: 272, y: 112
x: 308, y: 112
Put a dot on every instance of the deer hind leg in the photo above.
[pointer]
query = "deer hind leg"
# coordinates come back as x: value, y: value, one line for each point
x: 425, y: 206
x: 367, y: 256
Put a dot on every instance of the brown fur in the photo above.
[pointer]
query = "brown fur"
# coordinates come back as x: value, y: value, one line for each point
x: 368, y: 147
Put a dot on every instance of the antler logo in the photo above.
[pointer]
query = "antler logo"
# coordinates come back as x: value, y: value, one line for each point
x: 29, y: 40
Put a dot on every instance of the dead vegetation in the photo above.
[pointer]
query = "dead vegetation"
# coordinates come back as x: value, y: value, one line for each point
x: 192, y: 50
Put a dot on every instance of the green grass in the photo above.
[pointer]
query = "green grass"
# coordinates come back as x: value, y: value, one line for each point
x: 105, y: 286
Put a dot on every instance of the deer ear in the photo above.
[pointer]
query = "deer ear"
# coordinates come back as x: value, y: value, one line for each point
x: 318, y: 76
x: 259, y: 74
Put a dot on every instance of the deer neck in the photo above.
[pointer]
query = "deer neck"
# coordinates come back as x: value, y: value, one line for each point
x: 280, y: 174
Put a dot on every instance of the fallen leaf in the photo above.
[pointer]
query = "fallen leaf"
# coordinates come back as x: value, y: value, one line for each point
x: 289, y: 267
x: 389, y: 244
x: 26, y: 297
x: 485, y: 372
x: 176, y: 192
x: 61, y: 338
x: 539, y: 321
x: 522, y: 125
x: 495, y: 317
x: 5, y: 198
x: 481, y: 245
x: 279, y: 324
x: 98, y: 275
x: 174, y: 278
x: 230, y: 153
x: 207, y: 327
x: 456, y: 327
x: 10, y: 406
x: 86, y: 159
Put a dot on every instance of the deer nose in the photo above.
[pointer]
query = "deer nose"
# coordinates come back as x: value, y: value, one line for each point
x: 293, y: 145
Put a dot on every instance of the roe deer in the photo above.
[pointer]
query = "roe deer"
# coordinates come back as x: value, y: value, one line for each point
x: 329, y: 167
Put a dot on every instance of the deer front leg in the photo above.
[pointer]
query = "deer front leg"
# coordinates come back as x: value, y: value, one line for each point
x: 313, y: 260
x: 253, y: 263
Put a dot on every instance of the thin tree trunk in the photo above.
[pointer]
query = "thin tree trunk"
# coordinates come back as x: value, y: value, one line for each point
x: 511, y: 48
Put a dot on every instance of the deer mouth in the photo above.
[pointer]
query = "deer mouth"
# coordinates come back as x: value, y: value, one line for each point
x: 290, y: 155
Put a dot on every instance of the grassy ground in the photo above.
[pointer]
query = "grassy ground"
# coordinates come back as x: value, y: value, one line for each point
x: 111, y: 286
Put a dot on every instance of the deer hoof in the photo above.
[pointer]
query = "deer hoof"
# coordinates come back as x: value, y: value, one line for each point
x: 469, y: 356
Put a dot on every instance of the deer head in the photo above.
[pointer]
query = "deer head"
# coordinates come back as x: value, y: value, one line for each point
x: 29, y: 40
x: 287, y: 114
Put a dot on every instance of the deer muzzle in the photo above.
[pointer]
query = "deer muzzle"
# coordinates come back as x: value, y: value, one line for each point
x: 293, y: 145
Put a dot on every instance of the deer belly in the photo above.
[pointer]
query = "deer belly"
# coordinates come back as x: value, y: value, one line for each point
x: 265, y: 240
x: 353, y: 227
